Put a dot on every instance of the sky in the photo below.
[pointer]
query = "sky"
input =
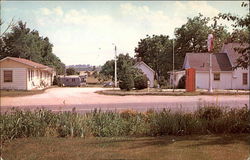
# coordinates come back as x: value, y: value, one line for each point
x: 84, y: 32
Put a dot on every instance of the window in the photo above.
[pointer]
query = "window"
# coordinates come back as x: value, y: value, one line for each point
x: 32, y: 74
x: 216, y: 76
x: 29, y: 74
x: 8, y: 76
x: 41, y: 74
x: 73, y: 80
x: 244, y: 78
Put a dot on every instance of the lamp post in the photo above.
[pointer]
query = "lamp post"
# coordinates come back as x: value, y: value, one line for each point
x: 115, y: 66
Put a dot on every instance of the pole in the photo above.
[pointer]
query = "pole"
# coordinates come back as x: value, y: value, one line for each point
x: 173, y: 66
x: 115, y: 68
x: 210, y: 73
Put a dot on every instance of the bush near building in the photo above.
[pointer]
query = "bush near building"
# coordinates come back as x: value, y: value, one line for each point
x: 141, y: 81
x: 127, y: 82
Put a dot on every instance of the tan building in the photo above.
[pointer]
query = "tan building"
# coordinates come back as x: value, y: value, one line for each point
x: 23, y: 74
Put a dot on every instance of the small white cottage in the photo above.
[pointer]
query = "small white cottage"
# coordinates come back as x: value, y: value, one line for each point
x: 23, y: 74
x: 149, y: 72
x: 223, y: 73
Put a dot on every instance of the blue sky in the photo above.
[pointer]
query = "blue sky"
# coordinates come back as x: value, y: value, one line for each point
x: 82, y: 32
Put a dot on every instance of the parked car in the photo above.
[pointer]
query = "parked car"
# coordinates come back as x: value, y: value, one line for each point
x: 108, y: 84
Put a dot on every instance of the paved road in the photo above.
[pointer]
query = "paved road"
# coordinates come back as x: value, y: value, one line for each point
x: 84, y: 99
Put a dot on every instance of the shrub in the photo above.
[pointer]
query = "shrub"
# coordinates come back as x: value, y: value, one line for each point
x: 162, y: 81
x: 141, y: 81
x: 127, y: 82
x: 209, y: 112
x: 206, y: 120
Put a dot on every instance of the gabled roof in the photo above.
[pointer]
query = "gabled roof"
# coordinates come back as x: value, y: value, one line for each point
x: 27, y: 62
x: 142, y: 63
x: 200, y: 62
x: 229, y: 48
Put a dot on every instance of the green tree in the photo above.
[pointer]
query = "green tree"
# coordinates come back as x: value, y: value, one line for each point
x: 123, y: 62
x: 240, y: 34
x: 192, y: 36
x: 156, y: 51
x: 23, y: 42
x: 71, y: 71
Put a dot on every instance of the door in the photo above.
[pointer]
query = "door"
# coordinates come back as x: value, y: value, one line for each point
x: 190, y: 80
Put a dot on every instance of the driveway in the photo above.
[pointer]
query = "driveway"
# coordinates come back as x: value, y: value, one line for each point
x: 84, y: 99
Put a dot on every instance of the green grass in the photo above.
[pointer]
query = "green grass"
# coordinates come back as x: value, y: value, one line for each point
x: 206, y: 147
x: 19, y: 93
x: 159, y: 92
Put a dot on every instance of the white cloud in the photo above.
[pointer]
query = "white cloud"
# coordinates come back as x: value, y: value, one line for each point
x: 82, y: 17
x: 58, y: 11
x: 193, y: 8
x: 46, y: 11
x: 81, y: 32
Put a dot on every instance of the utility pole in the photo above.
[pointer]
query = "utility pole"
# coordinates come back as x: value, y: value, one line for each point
x: 115, y: 66
x: 173, y: 66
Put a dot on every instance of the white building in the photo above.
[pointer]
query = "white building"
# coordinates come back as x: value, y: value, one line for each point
x: 223, y: 74
x: 240, y: 77
x: 149, y: 72
x: 23, y: 74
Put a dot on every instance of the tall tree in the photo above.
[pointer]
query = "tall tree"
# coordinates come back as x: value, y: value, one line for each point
x: 156, y: 51
x: 240, y: 34
x: 23, y: 42
x: 124, y: 63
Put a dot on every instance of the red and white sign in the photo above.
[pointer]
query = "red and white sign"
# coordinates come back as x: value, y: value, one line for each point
x: 210, y: 42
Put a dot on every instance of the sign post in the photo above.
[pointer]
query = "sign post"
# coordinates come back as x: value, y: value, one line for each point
x: 210, y: 48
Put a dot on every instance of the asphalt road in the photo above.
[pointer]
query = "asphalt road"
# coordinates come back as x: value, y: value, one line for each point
x: 84, y: 99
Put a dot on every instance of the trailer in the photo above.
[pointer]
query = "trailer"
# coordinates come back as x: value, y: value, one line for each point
x: 72, y: 81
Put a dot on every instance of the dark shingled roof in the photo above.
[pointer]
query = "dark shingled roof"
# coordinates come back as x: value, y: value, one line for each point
x: 229, y: 48
x: 200, y: 62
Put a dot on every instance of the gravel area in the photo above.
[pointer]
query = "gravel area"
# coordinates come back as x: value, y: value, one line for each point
x: 85, y: 99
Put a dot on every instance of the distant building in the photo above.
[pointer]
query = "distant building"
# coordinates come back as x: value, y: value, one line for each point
x: 149, y: 72
x: 23, y: 74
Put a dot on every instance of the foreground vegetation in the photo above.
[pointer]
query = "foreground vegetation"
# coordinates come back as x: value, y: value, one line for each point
x: 206, y: 147
x: 160, y: 92
x: 206, y: 120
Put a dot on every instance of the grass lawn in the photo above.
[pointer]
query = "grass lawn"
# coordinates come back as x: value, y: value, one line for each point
x: 159, y: 92
x: 20, y: 93
x: 206, y: 147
